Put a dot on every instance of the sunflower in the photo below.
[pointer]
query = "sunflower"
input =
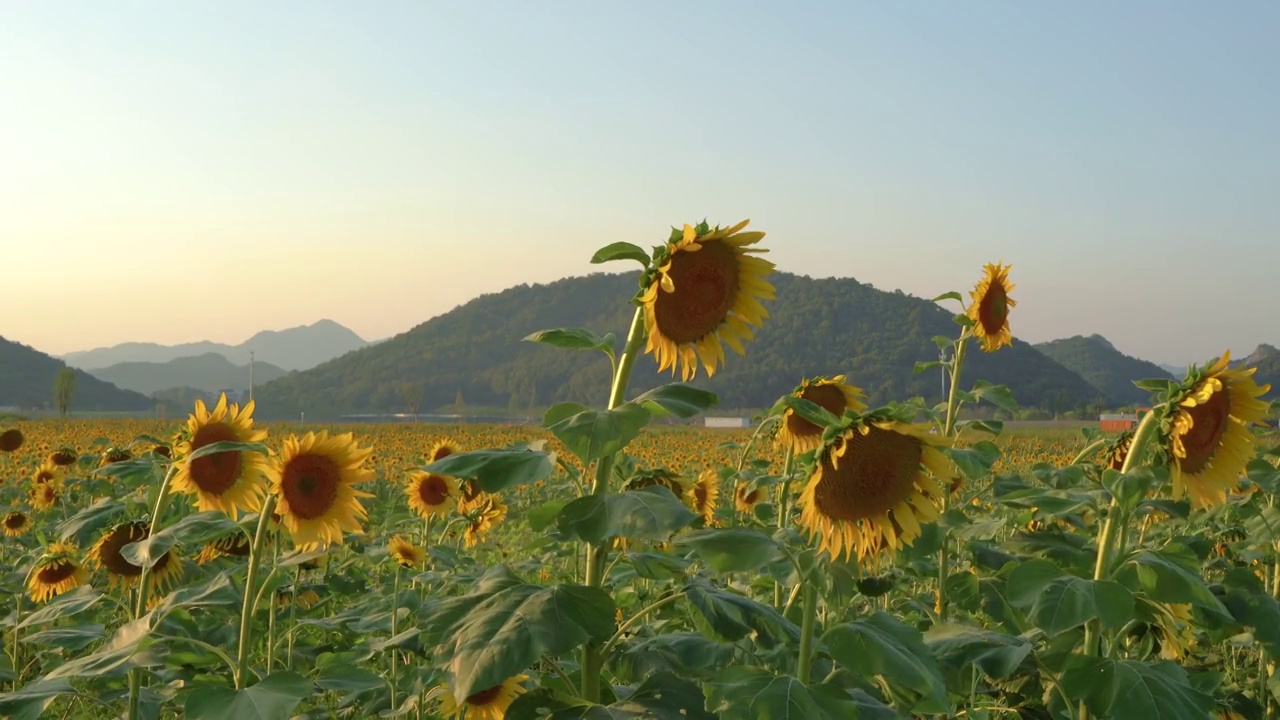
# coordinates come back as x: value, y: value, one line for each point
x: 990, y: 309
x: 703, y: 495
x: 306, y: 598
x: 490, y: 704
x: 115, y: 455
x: 1210, y: 441
x: 431, y: 494
x: 223, y: 481
x: 64, y: 457
x: 313, y: 478
x: 44, y: 496
x: 1118, y: 450
x: 831, y: 394
x: 746, y: 497
x: 405, y: 552
x: 11, y: 440
x: 16, y: 523
x: 869, y: 492
x: 704, y: 289
x: 487, y: 513
x: 235, y: 544
x: 47, y: 473
x: 1166, y: 626
x: 106, y: 554
x: 658, y: 476
x: 56, y: 573
x: 443, y: 449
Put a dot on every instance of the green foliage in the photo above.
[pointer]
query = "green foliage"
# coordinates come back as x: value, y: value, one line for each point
x: 27, y: 375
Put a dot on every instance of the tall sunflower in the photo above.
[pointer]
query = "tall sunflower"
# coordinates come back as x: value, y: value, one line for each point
x: 57, y: 572
x: 443, y: 449
x: 1210, y: 441
x: 16, y: 523
x: 872, y: 489
x: 489, y: 704
x: 430, y: 494
x: 404, y: 552
x: 703, y: 495
x: 47, y: 473
x: 106, y: 554
x: 223, y: 481
x: 990, y: 309
x: 831, y: 394
x: 314, y: 477
x: 704, y: 289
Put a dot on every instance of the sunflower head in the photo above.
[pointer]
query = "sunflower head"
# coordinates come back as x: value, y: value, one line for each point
x: 1209, y: 437
x: 314, y: 478
x: 44, y: 496
x: 672, y: 481
x: 234, y: 544
x: 404, y: 552
x: 11, y: 440
x: 57, y: 572
x: 746, y: 497
x: 487, y: 513
x: 16, y: 523
x: 703, y: 495
x: 442, y: 449
x: 872, y: 488
x: 431, y: 495
x: 47, y: 473
x: 488, y: 704
x: 831, y: 394
x: 989, y: 311
x: 64, y: 457
x: 225, y: 481
x: 114, y: 455
x: 702, y: 292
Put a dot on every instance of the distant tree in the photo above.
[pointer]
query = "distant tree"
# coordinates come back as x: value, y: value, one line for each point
x: 458, y: 404
x: 64, y: 387
x: 412, y: 394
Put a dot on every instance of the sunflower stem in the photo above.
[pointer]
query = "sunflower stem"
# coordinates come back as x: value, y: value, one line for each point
x: 395, y: 656
x: 597, y: 555
x: 949, y: 431
x: 293, y: 623
x: 271, y: 607
x: 640, y: 615
x: 144, y: 585
x: 784, y: 493
x: 1089, y: 450
x: 246, y: 610
x: 808, y: 618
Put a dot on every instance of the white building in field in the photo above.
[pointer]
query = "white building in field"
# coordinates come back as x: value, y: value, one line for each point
x: 727, y: 422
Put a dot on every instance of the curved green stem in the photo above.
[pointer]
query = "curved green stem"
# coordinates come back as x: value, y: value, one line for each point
x: 144, y: 587
x: 1089, y: 450
x: 948, y: 431
x: 808, y: 619
x: 250, y: 596
x: 622, y: 629
x: 395, y: 656
x: 784, y: 495
x: 223, y: 654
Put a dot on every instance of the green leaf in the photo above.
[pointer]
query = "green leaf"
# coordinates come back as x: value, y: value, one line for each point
x: 1059, y: 603
x: 751, y: 693
x: 1160, y: 385
x: 70, y: 639
x: 227, y: 446
x: 997, y: 395
x: 543, y: 516
x: 959, y: 647
x: 685, y: 654
x: 976, y: 460
x: 193, y: 529
x: 920, y: 367
x: 1169, y: 576
x: 341, y: 673
x: 811, y: 411
x: 651, y: 514
x: 30, y: 701
x: 734, y: 549
x: 497, y: 470
x: 621, y: 251
x: 885, y: 646
x: 575, y: 339
x: 127, y: 649
x: 503, y: 626
x: 273, y: 698
x: 953, y: 295
x: 63, y: 606
x: 733, y: 616
x: 1157, y: 691
x: 592, y: 434
x: 682, y: 401
x: 84, y: 524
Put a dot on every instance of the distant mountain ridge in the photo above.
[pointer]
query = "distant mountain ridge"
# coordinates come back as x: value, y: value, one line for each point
x: 1112, y: 372
x: 1266, y: 358
x: 298, y: 348
x: 817, y: 326
x: 27, y: 378
x: 209, y: 372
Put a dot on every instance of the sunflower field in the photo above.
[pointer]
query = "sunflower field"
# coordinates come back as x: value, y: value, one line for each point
x: 835, y: 561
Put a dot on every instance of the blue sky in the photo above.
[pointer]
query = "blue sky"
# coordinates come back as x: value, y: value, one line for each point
x: 182, y: 171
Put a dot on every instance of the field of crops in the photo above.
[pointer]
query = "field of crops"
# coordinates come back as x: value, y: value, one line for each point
x: 838, y: 561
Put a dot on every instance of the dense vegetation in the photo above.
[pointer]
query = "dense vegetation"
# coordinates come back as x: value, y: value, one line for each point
x: 816, y: 326
x: 1103, y: 366
x: 27, y: 379
x: 210, y: 372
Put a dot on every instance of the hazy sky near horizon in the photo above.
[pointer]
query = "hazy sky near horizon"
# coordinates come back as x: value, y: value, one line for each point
x: 174, y: 172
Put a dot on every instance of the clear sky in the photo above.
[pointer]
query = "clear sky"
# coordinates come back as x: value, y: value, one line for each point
x: 181, y: 171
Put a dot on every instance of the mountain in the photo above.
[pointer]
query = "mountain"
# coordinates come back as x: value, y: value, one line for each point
x: 209, y: 372
x: 298, y: 348
x: 27, y: 379
x: 1104, y: 367
x: 1267, y: 360
x: 817, y: 326
x: 1177, y: 371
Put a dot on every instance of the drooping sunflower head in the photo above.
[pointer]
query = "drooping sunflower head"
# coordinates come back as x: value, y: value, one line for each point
x: 44, y: 496
x: 431, y: 495
x: 114, y: 455
x: 672, y: 481
x: 703, y: 495
x: 1165, y: 629
x: 64, y: 457
x: 314, y: 478
x: 1210, y: 440
x: 746, y: 497
x: 831, y: 394
x: 106, y: 554
x: 442, y: 449
x: 404, y: 552
x: 233, y: 544
x: 55, y: 573
x: 1118, y: 450
x: 16, y: 523
x: 226, y: 481
x: 488, y: 512
x: 990, y: 308
x: 488, y: 704
x: 703, y: 292
x: 47, y: 473
x: 873, y: 487
x: 11, y: 440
